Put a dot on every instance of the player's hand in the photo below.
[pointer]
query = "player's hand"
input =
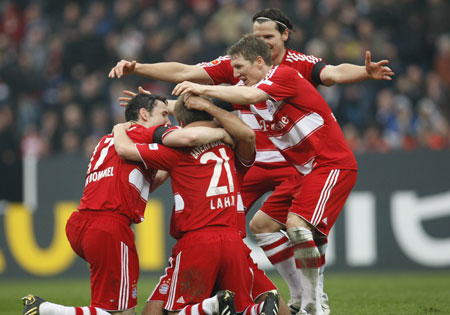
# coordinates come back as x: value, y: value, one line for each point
x: 123, y: 67
x: 378, y: 70
x: 123, y: 126
x: 123, y: 100
x: 196, y: 102
x: 188, y: 87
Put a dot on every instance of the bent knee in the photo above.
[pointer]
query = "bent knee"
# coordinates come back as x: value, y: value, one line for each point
x: 262, y: 223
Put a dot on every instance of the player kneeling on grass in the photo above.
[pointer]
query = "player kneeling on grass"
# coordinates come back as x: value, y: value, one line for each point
x: 114, y: 197
x: 209, y: 254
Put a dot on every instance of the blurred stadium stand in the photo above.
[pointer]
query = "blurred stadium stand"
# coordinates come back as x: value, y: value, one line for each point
x: 55, y: 96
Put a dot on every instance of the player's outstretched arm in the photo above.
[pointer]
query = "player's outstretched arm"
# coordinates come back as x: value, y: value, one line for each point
x: 165, y: 71
x: 125, y: 148
x: 350, y: 73
x: 234, y: 94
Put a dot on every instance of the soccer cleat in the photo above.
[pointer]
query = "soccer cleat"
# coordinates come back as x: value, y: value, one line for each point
x: 271, y: 303
x: 226, y: 302
x: 31, y: 304
x: 294, y: 306
x: 324, y: 303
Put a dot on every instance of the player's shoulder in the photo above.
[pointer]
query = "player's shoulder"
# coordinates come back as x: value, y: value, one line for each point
x: 294, y: 57
x: 222, y: 60
x: 139, y: 133
x: 281, y: 71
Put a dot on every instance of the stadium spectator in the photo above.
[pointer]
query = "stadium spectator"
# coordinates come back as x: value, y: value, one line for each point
x: 59, y: 25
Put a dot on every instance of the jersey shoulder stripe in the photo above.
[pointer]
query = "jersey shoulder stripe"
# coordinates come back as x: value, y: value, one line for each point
x: 295, y: 56
x: 214, y: 62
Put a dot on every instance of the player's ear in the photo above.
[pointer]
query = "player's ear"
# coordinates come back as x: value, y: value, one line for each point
x: 285, y: 35
x: 259, y: 61
x: 143, y: 114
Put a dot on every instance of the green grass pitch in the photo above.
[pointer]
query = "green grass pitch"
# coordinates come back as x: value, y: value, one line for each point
x: 349, y: 293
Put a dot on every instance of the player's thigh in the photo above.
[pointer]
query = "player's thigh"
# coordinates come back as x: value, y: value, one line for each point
x: 263, y: 223
x: 75, y: 228
x: 127, y: 312
x: 260, y: 180
x: 235, y: 273
x: 321, y: 195
x: 279, y: 202
x: 109, y: 248
x: 197, y: 262
x: 154, y: 308
x: 158, y: 297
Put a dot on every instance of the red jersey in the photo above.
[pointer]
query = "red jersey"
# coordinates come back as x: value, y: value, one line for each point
x: 221, y: 72
x: 115, y: 184
x: 205, y: 180
x: 300, y: 123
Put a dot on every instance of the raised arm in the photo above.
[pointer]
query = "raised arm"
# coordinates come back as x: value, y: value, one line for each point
x: 233, y: 124
x: 235, y: 94
x: 165, y: 71
x: 192, y: 136
x: 350, y: 73
x: 124, y: 146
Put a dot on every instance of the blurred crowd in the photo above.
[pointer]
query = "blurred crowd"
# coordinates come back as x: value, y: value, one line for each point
x: 55, y: 56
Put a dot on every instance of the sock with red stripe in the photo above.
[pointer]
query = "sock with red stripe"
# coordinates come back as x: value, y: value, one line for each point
x: 208, y: 306
x: 254, y: 309
x: 48, y: 308
x: 307, y: 257
x: 280, y: 253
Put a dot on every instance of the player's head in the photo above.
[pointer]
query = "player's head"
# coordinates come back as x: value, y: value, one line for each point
x: 274, y: 27
x: 185, y: 116
x: 147, y: 110
x: 250, y: 59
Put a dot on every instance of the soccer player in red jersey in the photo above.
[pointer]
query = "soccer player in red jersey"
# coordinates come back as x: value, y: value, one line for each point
x: 209, y: 254
x: 114, y: 197
x: 270, y: 169
x: 303, y: 128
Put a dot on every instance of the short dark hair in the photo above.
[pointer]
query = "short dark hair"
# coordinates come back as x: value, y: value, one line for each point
x: 139, y: 101
x: 186, y: 115
x: 250, y: 47
x: 276, y: 15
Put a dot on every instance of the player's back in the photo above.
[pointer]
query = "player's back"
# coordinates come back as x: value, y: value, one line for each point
x: 115, y: 184
x: 206, y: 188
x: 302, y: 126
x: 205, y: 183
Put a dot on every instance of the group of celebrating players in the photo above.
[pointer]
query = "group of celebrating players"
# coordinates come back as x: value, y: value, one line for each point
x: 282, y: 137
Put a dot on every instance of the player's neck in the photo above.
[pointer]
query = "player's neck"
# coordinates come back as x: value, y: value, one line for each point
x: 278, y: 59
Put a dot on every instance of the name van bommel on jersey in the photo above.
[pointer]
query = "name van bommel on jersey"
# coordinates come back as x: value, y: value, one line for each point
x: 97, y: 175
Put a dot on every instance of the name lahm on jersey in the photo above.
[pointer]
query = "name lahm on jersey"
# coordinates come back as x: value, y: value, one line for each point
x: 222, y: 202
